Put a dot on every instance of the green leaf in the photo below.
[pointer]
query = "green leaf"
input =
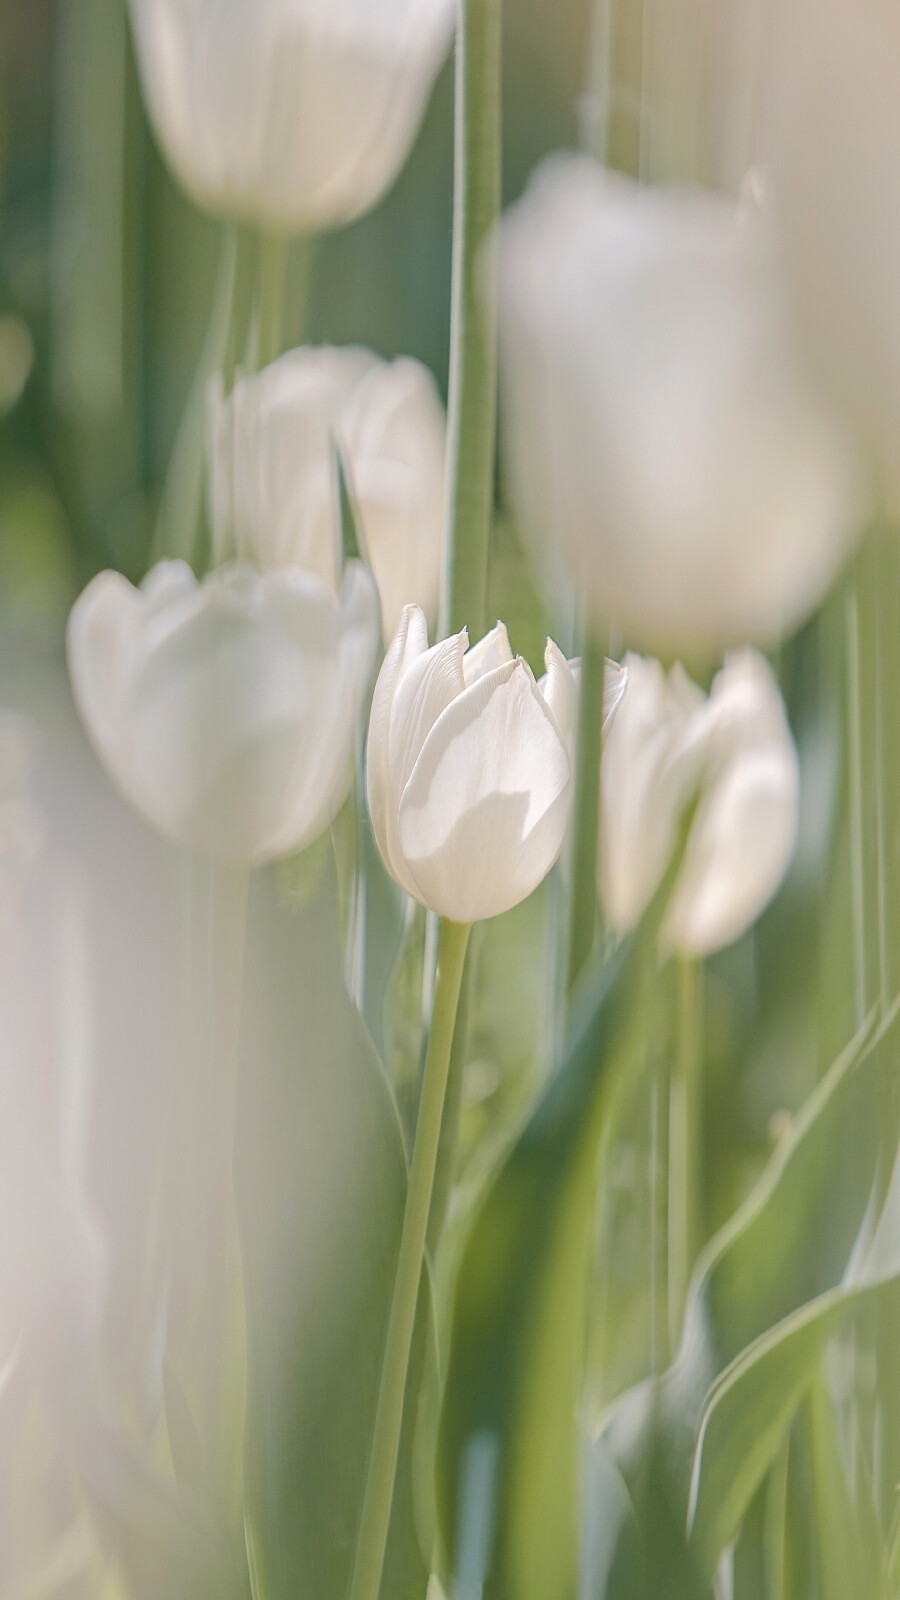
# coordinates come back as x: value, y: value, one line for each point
x: 321, y: 1184
x: 517, y: 1349
x: 820, y: 1233
x: 852, y: 1554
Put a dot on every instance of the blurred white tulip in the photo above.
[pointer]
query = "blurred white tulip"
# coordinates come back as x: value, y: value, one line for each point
x: 735, y: 751
x: 226, y: 710
x: 468, y: 770
x: 661, y: 433
x: 831, y: 98
x: 273, y: 491
x: 296, y: 114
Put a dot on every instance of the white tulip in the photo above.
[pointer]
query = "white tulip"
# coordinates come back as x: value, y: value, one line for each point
x: 734, y: 751
x: 273, y: 491
x: 832, y: 134
x: 297, y: 114
x: 615, y: 679
x: 661, y: 432
x: 226, y: 710
x: 468, y: 770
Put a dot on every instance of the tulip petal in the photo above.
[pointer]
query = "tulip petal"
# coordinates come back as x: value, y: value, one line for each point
x: 483, y: 816
x: 559, y: 690
x: 409, y: 642
x: 324, y: 770
x: 494, y: 650
x: 652, y: 761
x: 392, y: 430
x: 427, y: 687
x: 101, y: 625
x: 615, y: 682
x: 740, y: 847
x: 424, y: 691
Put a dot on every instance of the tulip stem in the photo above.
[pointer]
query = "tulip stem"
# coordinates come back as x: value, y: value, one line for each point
x: 448, y: 1149
x: 273, y: 267
x: 181, y: 504
x: 685, y: 1140
x: 379, y: 1492
x: 586, y: 814
x: 471, y: 439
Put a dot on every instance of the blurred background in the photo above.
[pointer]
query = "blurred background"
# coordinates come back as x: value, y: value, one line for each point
x: 106, y: 278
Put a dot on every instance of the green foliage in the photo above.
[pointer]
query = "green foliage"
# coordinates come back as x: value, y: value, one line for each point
x: 817, y: 1237
x: 516, y: 1354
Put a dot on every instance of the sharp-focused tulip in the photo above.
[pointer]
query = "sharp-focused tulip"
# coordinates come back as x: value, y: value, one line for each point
x: 468, y: 769
x: 662, y: 433
x: 226, y: 710
x: 832, y: 134
x: 297, y: 114
x: 273, y: 490
x: 734, y: 751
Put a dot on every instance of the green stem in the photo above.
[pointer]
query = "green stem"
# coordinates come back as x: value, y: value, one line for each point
x: 857, y: 846
x: 660, y: 1085
x: 273, y: 269
x: 685, y: 1140
x: 471, y: 443
x: 595, y: 103
x: 586, y: 814
x: 241, y: 305
x: 178, y: 525
x: 448, y: 1148
x: 379, y: 1492
x: 882, y: 725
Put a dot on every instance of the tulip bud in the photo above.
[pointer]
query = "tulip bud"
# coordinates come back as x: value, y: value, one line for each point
x: 734, y: 750
x: 226, y: 710
x: 662, y: 435
x: 273, y: 492
x: 468, y: 769
x: 295, y: 114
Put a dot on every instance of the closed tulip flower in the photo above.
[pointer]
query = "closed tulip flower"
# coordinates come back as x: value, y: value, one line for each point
x: 662, y: 434
x: 273, y: 490
x: 297, y: 114
x: 226, y: 710
x: 735, y: 752
x: 468, y: 770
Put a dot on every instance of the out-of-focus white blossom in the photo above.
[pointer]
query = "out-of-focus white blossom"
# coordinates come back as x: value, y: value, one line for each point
x: 662, y: 434
x: 734, y: 751
x: 297, y: 114
x: 831, y: 104
x: 226, y: 710
x: 468, y: 769
x: 273, y: 490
